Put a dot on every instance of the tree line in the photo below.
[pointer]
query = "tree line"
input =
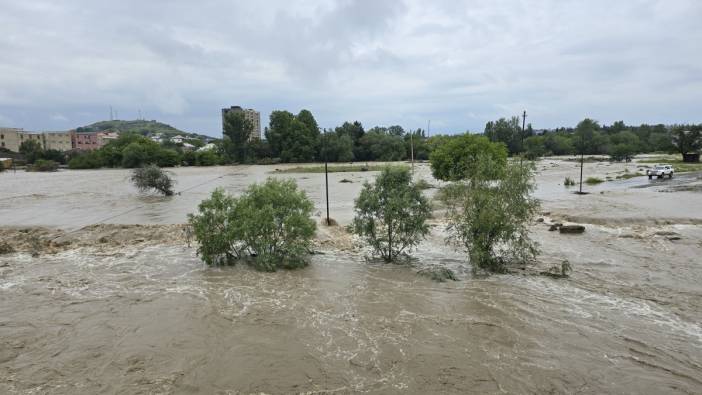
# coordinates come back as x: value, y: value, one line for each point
x: 619, y: 141
x: 296, y: 138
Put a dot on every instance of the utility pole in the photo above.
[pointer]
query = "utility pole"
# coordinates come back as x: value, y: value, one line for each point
x: 326, y: 174
x: 428, y: 128
x: 412, y: 149
x: 582, y: 159
x: 523, y: 129
x: 111, y: 117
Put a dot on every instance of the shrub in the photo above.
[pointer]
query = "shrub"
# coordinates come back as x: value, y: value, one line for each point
x: 134, y: 155
x: 2, y: 166
x: 489, y: 217
x: 207, y: 158
x: 391, y: 213
x: 455, y: 157
x: 423, y: 184
x: 43, y: 165
x: 569, y: 182
x: 152, y: 177
x: 31, y: 149
x: 275, y: 217
x: 88, y: 160
x: 270, y: 223
x: 593, y: 180
x: 217, y: 228
x: 166, y: 157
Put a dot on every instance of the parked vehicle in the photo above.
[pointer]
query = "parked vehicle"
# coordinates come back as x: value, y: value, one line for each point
x: 660, y: 171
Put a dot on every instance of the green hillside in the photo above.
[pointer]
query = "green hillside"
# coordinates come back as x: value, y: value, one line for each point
x: 138, y: 126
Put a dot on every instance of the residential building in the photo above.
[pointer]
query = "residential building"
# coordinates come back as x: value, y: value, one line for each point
x: 251, y: 115
x: 207, y: 147
x: 177, y: 139
x: 62, y: 141
x: 106, y: 137
x: 25, y: 136
x: 86, y: 141
x: 10, y: 138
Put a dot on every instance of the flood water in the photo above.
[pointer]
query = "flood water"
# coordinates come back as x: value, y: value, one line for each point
x: 155, y: 319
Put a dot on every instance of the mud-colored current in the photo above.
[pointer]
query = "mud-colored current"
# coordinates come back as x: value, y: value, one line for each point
x: 135, y: 316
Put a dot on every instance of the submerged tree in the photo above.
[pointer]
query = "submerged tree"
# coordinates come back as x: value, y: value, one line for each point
x: 391, y: 214
x: 270, y: 224
x: 489, y: 215
x: 152, y: 177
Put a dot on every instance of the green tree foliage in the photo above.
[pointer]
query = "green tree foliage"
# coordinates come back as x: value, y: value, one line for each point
x: 378, y: 145
x: 535, y: 146
x: 43, y: 165
x: 559, y: 144
x: 336, y: 147
x: 623, y: 145
x: 396, y: 130
x: 489, y: 215
x: 129, y: 150
x: 507, y: 131
x: 54, y: 155
x: 270, y: 223
x: 352, y: 129
x: 417, y: 142
x: 585, y: 140
x: 391, y: 214
x: 207, y: 158
x: 152, y: 177
x: 135, y: 155
x: 455, y: 157
x: 88, y: 160
x: 293, y: 138
x: 237, y: 133
x: 31, y: 149
x: 686, y: 138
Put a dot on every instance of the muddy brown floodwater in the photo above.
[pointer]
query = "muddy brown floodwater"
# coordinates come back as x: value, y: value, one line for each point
x: 131, y: 309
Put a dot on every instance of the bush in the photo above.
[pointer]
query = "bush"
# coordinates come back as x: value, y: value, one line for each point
x: 489, y: 217
x: 43, y: 165
x: 207, y: 158
x: 2, y: 167
x: 54, y: 155
x: 270, y: 223
x: 152, y: 177
x: 593, y: 180
x: 455, y: 158
x: 569, y: 182
x: 88, y: 160
x: 391, y: 213
x: 166, y: 157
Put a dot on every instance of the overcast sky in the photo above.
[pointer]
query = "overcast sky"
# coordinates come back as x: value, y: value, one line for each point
x: 456, y: 63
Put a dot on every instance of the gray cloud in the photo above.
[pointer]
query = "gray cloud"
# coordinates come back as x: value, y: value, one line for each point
x: 457, y: 63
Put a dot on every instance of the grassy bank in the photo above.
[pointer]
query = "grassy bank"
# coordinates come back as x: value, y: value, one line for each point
x: 335, y: 168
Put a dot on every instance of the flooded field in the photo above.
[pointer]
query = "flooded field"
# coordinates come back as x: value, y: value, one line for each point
x: 131, y: 309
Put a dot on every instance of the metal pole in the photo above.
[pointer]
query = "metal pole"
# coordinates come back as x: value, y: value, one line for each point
x: 412, y: 148
x: 523, y: 130
x: 326, y: 174
x: 582, y: 159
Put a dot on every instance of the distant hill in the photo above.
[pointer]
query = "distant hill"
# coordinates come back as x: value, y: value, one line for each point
x: 139, y: 126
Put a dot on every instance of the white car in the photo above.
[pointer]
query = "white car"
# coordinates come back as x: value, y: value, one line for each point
x: 660, y: 171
